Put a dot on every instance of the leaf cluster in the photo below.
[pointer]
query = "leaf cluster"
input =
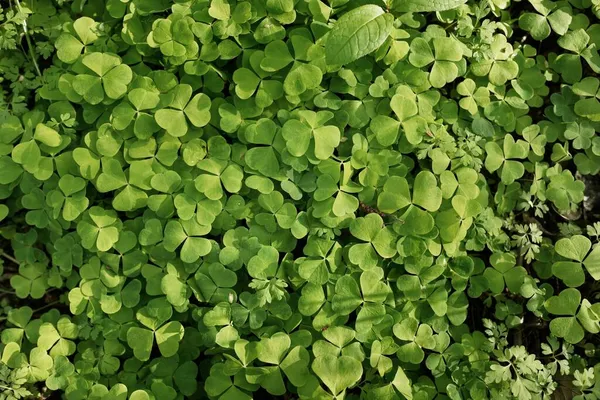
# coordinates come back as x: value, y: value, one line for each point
x: 318, y: 199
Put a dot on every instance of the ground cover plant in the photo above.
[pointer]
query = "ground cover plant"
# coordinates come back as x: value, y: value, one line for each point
x: 299, y: 199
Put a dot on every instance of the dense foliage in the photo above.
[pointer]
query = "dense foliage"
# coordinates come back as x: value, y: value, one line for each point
x: 299, y: 199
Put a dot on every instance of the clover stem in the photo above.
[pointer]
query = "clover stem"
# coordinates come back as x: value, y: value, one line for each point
x: 6, y: 291
x: 450, y: 26
x: 46, y: 306
x: 6, y: 387
x: 10, y: 258
x: 29, y: 43
x: 219, y: 72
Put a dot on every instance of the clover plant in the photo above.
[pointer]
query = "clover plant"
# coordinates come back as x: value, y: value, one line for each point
x: 299, y: 199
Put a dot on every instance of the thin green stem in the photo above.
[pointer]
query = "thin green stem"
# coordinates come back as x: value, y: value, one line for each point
x: 222, y: 74
x: 29, y: 43
x: 46, y: 306
x: 6, y: 387
x: 450, y: 26
x: 6, y: 291
x: 10, y: 258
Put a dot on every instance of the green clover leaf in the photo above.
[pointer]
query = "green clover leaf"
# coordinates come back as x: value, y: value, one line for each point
x: 154, y: 317
x: 337, y: 373
x: 504, y: 271
x: 183, y: 108
x: 380, y: 241
x: 70, y: 44
x: 110, y: 78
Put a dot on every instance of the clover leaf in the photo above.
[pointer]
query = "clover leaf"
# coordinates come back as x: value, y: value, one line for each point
x: 39, y: 365
x: 337, y: 373
x: 108, y: 76
x: 189, y: 233
x: 140, y: 100
x: 82, y: 32
x: 576, y: 249
x: 396, y: 194
x: 56, y: 338
x: 154, y: 317
x: 549, y: 17
x: 571, y: 323
x: 98, y: 229
x: 221, y: 384
x: 30, y: 281
x: 505, y: 158
x: 380, y: 241
x: 174, y: 38
x: 569, y: 64
x: 183, y: 108
x: 310, y: 130
x: 419, y: 337
x: 316, y: 199
x: 348, y: 295
x: 219, y: 173
x: 273, y: 351
x: 474, y: 96
x: 504, y: 271
x: 564, y: 190
x: 323, y: 258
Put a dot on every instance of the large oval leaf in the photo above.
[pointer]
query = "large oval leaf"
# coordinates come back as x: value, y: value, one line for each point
x: 357, y: 33
x: 425, y: 5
